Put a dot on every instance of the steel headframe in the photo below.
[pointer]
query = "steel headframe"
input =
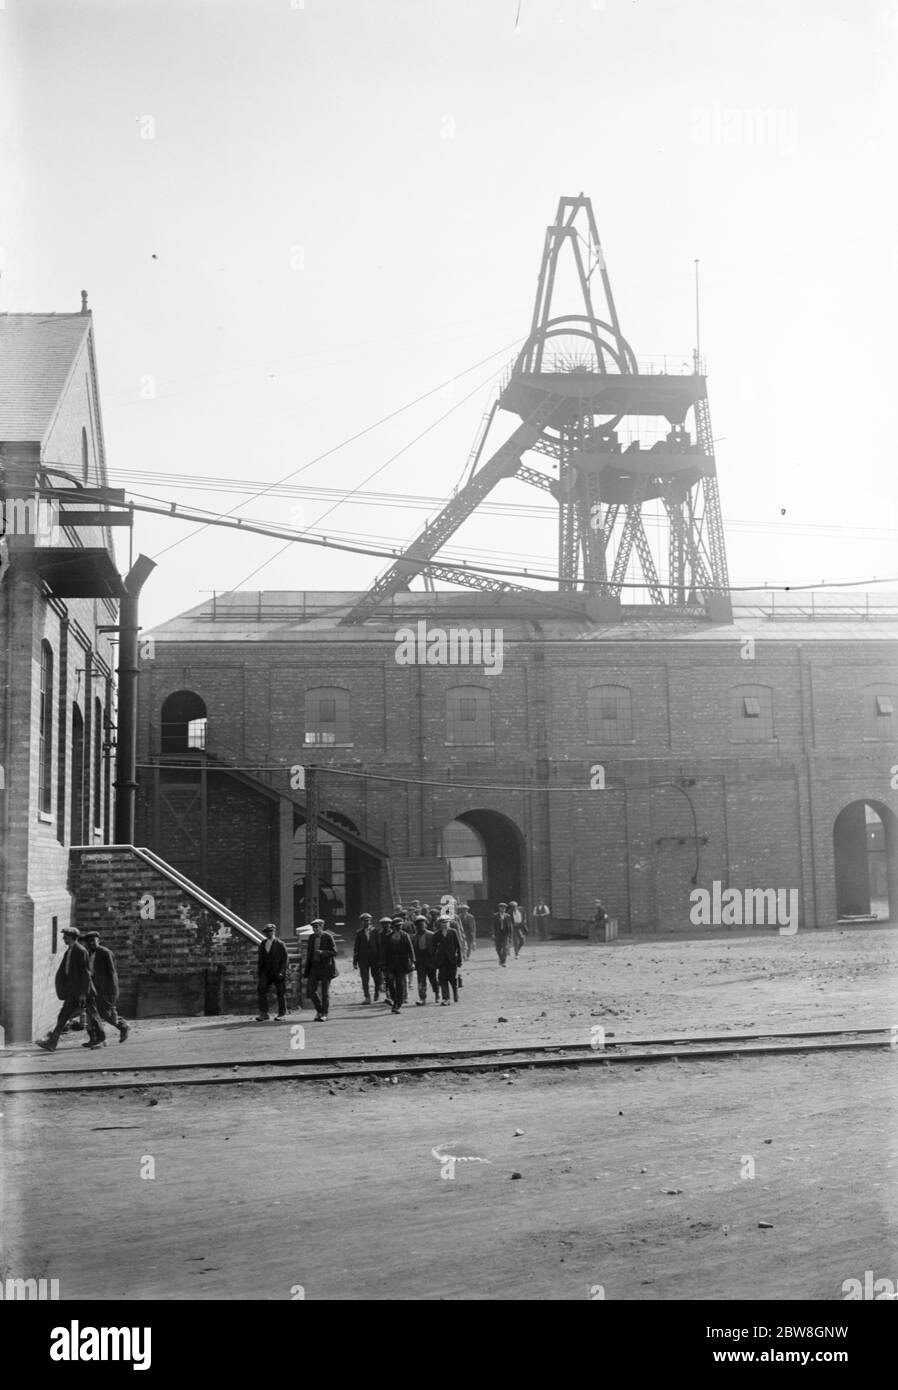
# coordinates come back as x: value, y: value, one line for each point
x: 575, y: 378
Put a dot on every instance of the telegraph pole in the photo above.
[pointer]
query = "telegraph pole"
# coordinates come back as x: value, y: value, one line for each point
x: 311, y: 903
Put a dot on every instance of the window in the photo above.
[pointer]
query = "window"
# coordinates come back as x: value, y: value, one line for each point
x: 468, y: 715
x: 183, y: 722
x: 609, y: 714
x: 45, y: 732
x: 879, y: 712
x: 97, y: 821
x: 85, y: 457
x: 79, y: 771
x: 751, y: 714
x: 327, y: 717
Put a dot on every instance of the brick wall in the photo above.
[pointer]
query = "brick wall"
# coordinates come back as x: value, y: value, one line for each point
x: 764, y: 810
x: 182, y: 939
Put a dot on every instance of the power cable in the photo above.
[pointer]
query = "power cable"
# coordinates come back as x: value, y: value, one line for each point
x: 351, y: 440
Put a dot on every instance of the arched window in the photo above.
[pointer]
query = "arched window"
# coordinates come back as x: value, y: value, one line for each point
x: 880, y: 703
x: 468, y: 715
x: 751, y: 714
x: 85, y: 457
x: 45, y: 732
x: 183, y: 723
x: 327, y: 716
x: 609, y: 712
x: 76, y: 795
x: 98, y: 767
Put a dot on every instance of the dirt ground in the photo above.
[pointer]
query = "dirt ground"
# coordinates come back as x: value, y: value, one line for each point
x: 637, y: 1183
x: 557, y: 993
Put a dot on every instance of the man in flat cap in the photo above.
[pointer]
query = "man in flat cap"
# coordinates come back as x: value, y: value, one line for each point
x: 384, y: 927
x: 502, y: 928
x: 105, y: 978
x: 320, y: 967
x: 399, y: 961
x: 423, y: 940
x: 366, y: 956
x: 75, y: 988
x: 272, y: 971
x: 447, y: 954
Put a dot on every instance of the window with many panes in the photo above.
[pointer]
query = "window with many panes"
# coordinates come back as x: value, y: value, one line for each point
x: 468, y: 715
x: 609, y: 711
x: 751, y: 714
x: 327, y: 717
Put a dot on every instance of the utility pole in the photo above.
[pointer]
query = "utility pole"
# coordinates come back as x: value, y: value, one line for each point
x: 311, y: 903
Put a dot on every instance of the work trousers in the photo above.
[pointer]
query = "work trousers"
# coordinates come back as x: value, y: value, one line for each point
x: 427, y: 973
x: 448, y: 975
x: 368, y: 973
x: 280, y: 985
x: 396, y: 988
x: 72, y: 1006
x: 319, y: 989
x: 106, y: 1009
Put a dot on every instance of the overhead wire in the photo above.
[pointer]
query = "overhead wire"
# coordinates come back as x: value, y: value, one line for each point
x: 261, y: 492
x: 380, y: 468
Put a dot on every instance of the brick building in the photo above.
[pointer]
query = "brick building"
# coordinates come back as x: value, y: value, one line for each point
x: 58, y: 590
x: 631, y: 760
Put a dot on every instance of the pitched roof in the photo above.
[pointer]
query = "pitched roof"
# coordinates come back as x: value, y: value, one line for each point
x: 37, y: 354
x: 306, y: 616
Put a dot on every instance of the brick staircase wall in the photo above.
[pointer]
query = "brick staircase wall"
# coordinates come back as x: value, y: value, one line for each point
x: 183, y: 956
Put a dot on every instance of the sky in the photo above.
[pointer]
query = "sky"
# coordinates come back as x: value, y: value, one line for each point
x: 294, y: 217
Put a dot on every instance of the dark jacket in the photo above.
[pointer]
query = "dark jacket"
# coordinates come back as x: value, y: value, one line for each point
x: 366, y: 950
x: 399, y: 954
x: 75, y: 982
x: 104, y: 973
x: 327, y: 952
x: 446, y: 949
x: 273, y: 963
x: 469, y: 924
x: 502, y: 925
x: 423, y: 943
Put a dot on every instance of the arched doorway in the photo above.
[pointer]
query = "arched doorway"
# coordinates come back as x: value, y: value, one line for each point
x: 865, y: 850
x: 486, y: 854
x: 183, y: 720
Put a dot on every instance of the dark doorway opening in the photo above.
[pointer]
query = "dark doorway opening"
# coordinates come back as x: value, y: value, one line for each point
x: 494, y: 875
x: 865, y: 846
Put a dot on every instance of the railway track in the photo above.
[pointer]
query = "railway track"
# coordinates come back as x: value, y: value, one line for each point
x: 487, y: 1059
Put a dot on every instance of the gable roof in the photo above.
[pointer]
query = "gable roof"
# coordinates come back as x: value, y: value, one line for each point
x: 37, y: 355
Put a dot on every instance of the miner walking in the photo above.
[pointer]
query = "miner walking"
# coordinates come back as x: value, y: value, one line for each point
x: 75, y: 988
x: 447, y: 954
x: 272, y: 968
x: 320, y: 967
x: 366, y: 957
x: 502, y: 932
x: 105, y: 978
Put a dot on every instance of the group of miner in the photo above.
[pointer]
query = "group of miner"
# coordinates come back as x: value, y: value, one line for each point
x: 419, y: 948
